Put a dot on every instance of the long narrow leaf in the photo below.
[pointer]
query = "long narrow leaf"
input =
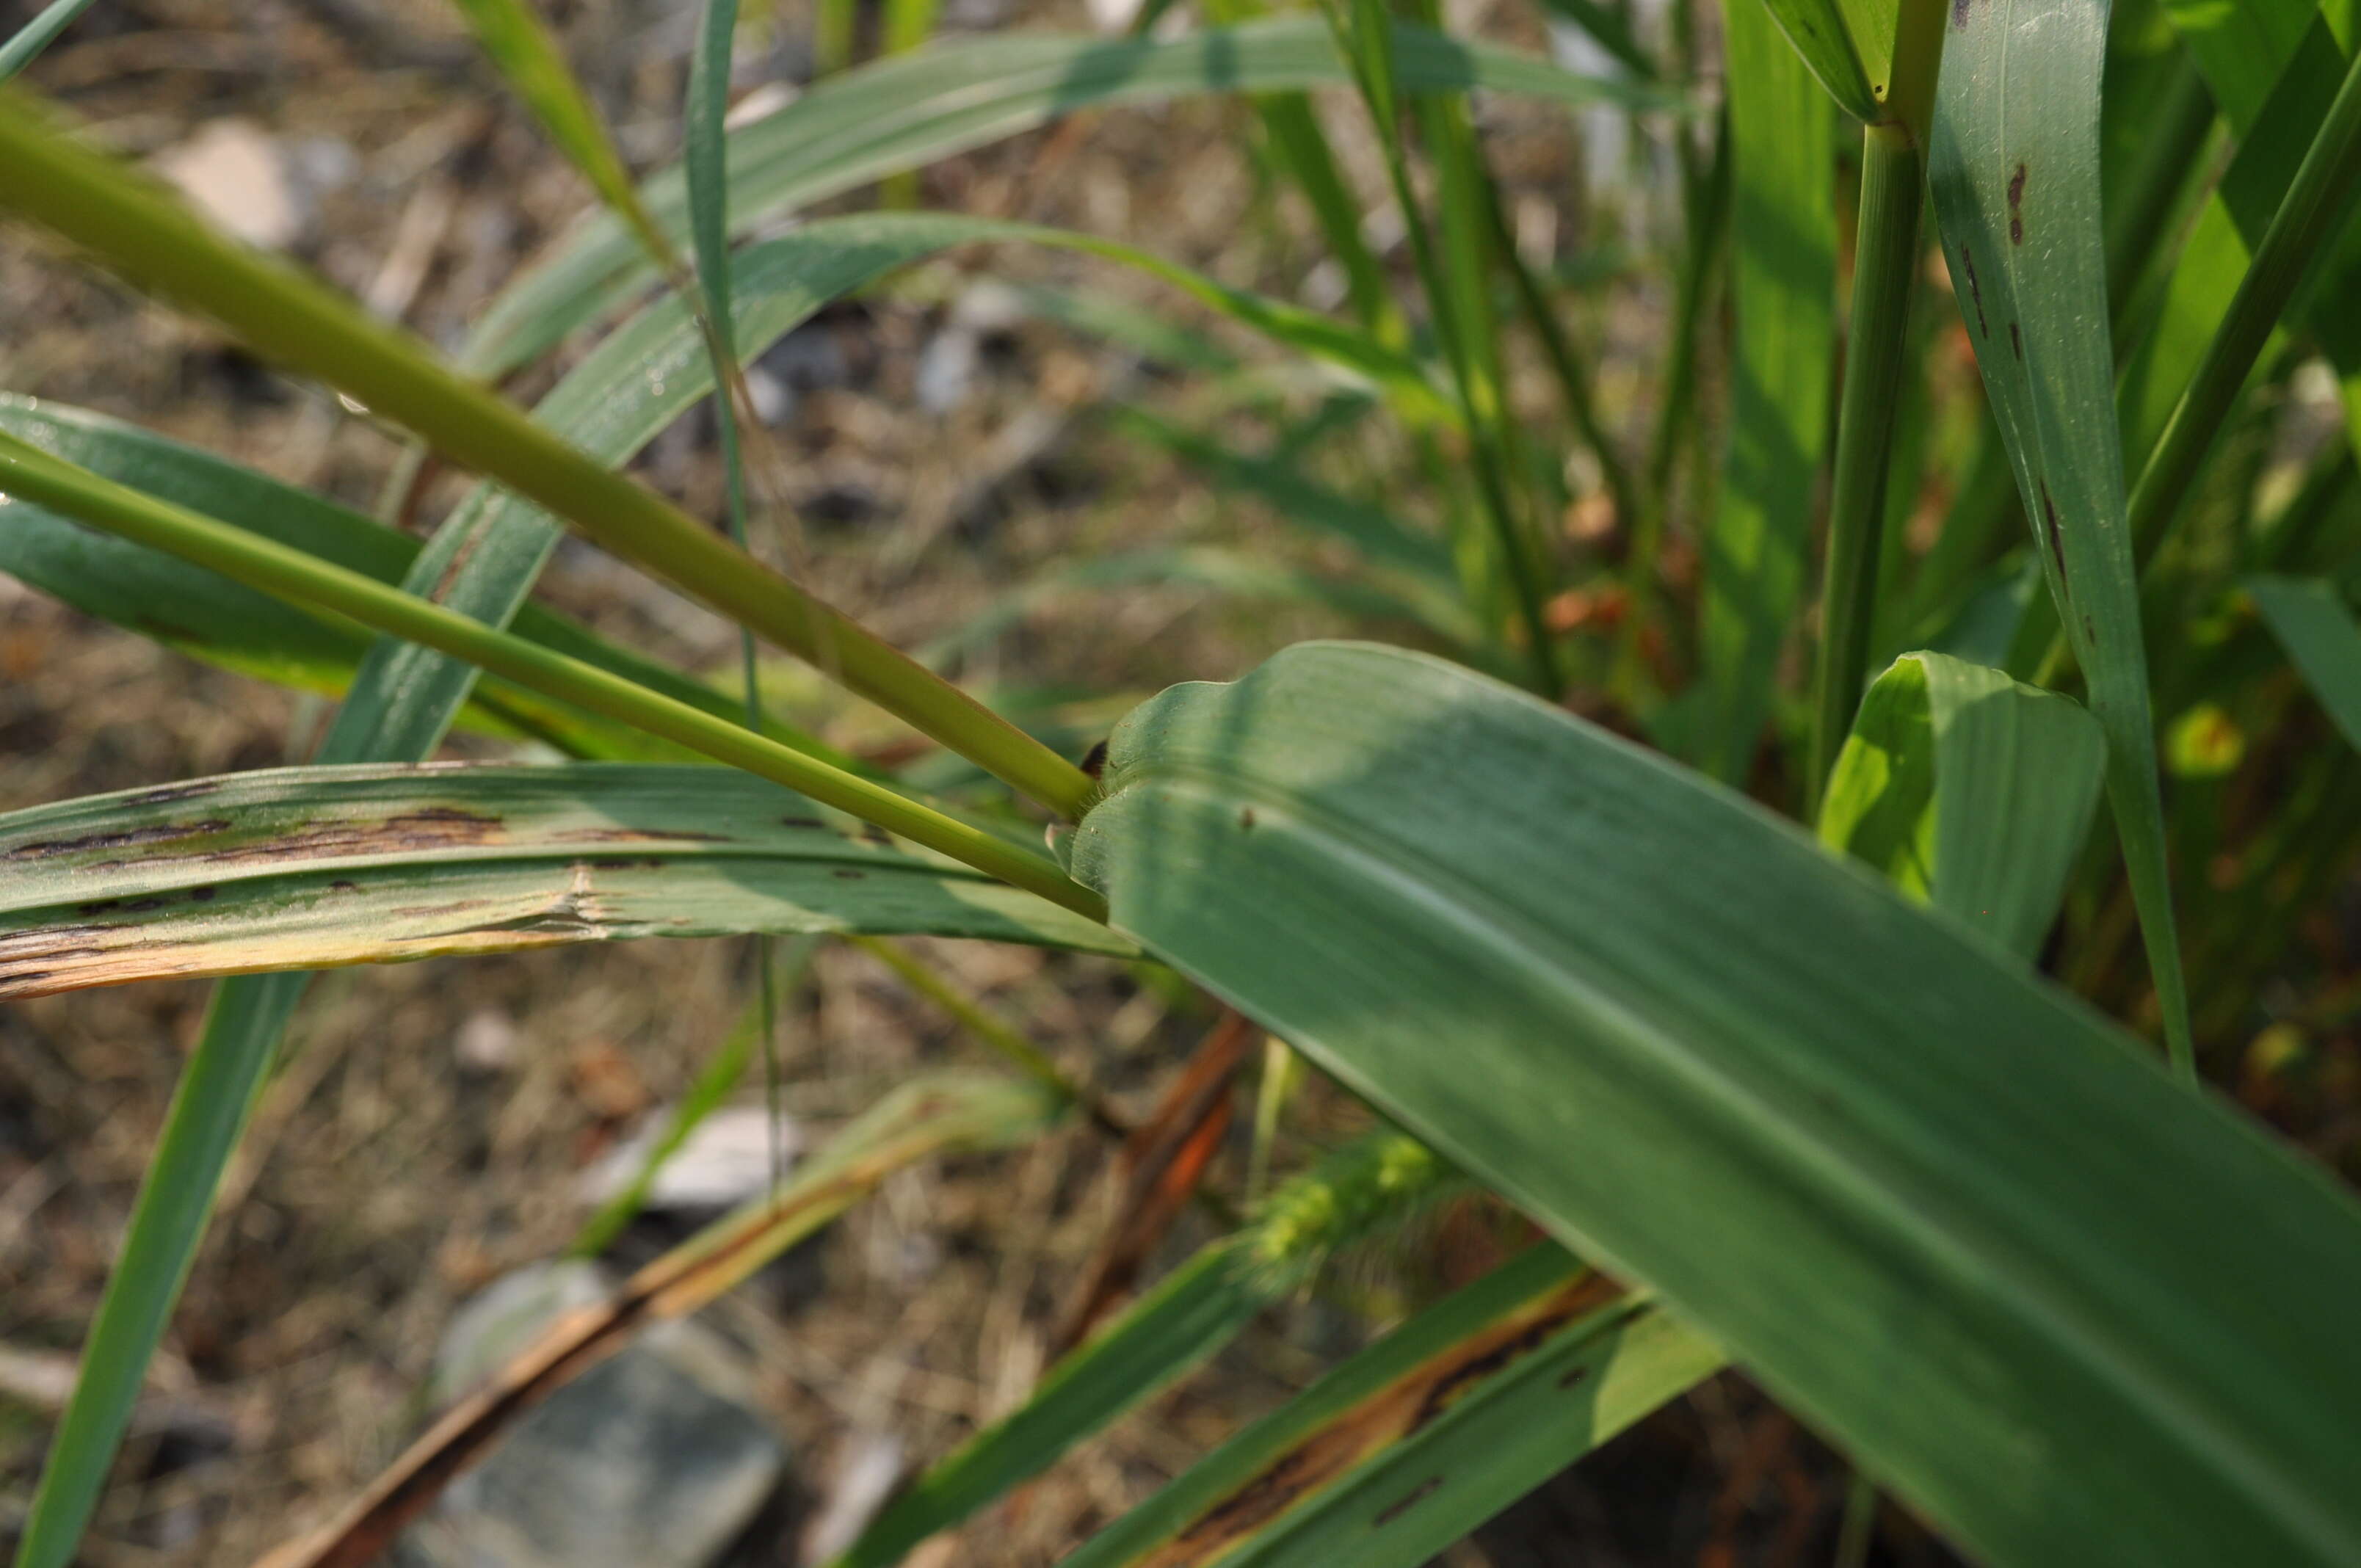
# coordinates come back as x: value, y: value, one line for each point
x: 209, y: 616
x: 1425, y: 1435
x: 1190, y: 1315
x: 154, y: 241
x: 1783, y: 234
x: 2317, y: 627
x: 2016, y: 179
x: 1968, y: 791
x: 28, y: 472
x: 534, y: 62
x: 915, y: 108
x: 1858, y: 1147
x: 308, y: 868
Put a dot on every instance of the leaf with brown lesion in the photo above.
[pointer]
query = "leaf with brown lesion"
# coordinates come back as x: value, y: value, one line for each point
x: 314, y: 868
x: 1385, y: 1419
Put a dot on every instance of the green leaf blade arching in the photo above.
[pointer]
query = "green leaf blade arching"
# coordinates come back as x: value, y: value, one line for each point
x: 1415, y: 1441
x: 2322, y: 639
x: 1969, y: 790
x: 1852, y: 1145
x: 211, y: 618
x: 1783, y: 230
x: 306, y: 868
x: 912, y: 109
x: 2015, y: 175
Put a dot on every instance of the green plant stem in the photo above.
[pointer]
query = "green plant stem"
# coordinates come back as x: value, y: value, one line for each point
x: 37, y: 34
x: 1885, y: 264
x: 305, y: 580
x: 148, y: 238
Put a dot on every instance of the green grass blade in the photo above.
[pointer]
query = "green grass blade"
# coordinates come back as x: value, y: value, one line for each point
x: 1529, y: 1368
x: 705, y: 162
x: 2274, y: 135
x: 1969, y: 791
x: 914, y: 109
x: 2016, y: 179
x: 2242, y: 48
x: 1375, y: 1184
x: 212, y: 617
x: 1825, y: 42
x: 1858, y: 1147
x: 1609, y: 30
x: 1783, y: 234
x: 533, y: 63
x: 2317, y: 627
x: 1379, y: 537
x: 209, y: 1111
x: 316, y: 867
x: 2318, y: 200
x: 284, y: 314
x: 37, y: 35
x: 28, y: 472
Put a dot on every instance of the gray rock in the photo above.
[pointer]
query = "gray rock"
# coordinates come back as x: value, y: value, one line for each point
x: 652, y: 1459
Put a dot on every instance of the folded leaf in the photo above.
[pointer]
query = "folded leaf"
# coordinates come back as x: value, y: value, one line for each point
x: 1968, y: 791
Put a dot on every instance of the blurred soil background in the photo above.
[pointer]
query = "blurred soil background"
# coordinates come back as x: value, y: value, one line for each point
x: 433, y: 1125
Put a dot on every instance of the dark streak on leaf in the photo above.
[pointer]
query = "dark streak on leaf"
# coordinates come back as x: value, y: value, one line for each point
x: 1409, y: 1500
x: 2056, y: 541
x: 169, y: 793
x: 2017, y: 341
x: 2016, y: 206
x: 163, y: 833
x: 1975, y: 290
x: 1324, y: 1457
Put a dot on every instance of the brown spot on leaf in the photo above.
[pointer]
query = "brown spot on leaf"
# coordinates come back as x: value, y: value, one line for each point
x: 2016, y: 206
x: 1095, y: 761
x: 1246, y: 816
x: 1975, y: 290
x: 2017, y: 341
x: 1958, y: 16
